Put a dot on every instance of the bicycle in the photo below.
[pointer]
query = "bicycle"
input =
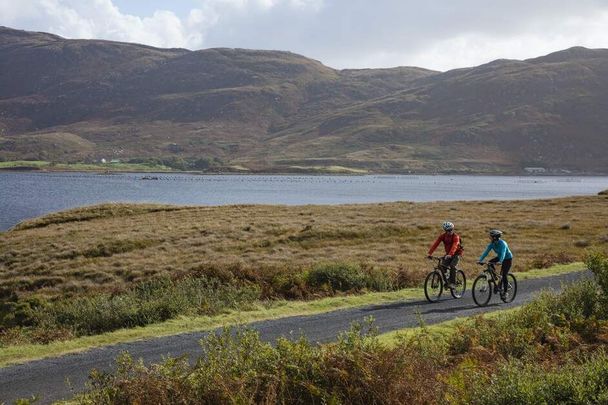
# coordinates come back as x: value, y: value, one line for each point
x: 438, y: 278
x: 489, y: 282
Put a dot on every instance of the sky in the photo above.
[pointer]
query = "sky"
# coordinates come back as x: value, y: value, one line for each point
x: 434, y: 34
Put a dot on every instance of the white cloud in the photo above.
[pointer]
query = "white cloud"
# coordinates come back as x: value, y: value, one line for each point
x: 439, y: 34
x: 102, y: 19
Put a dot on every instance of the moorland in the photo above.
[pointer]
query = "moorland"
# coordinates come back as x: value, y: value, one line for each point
x: 97, y: 269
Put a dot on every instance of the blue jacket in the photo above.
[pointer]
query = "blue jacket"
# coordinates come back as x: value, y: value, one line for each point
x: 501, y: 248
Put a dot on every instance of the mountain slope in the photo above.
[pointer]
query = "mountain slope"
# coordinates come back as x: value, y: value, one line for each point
x: 77, y: 100
x: 541, y: 112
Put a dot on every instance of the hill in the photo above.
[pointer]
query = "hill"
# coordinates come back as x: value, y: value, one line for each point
x: 84, y: 100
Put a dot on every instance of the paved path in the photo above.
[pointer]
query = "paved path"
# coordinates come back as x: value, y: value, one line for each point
x: 49, y: 378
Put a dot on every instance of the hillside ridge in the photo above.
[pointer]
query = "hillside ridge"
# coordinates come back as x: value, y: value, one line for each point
x: 80, y: 100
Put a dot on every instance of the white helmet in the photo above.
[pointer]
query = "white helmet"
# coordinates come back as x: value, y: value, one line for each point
x: 448, y: 226
x: 495, y: 233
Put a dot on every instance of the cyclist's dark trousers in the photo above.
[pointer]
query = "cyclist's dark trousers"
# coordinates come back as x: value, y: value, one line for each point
x: 506, y: 266
x: 452, y: 263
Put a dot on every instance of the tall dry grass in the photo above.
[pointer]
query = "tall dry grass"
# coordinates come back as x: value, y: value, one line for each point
x: 110, y: 247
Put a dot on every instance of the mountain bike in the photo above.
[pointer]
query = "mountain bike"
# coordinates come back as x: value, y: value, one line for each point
x: 437, y: 279
x: 489, y: 282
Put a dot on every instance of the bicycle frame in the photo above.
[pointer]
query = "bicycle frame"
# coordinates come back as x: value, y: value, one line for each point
x: 491, y: 270
x: 443, y: 270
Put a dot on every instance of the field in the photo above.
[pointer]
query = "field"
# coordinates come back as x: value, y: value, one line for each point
x: 102, y: 268
x: 110, y: 247
x: 97, y: 167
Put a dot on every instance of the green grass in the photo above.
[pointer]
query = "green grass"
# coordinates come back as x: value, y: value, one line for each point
x: 330, y: 169
x: 554, y: 270
x: 44, y: 165
x: 262, y: 311
x: 439, y: 331
x: 24, y: 163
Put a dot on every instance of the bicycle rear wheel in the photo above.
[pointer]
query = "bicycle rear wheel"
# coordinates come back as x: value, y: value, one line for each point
x: 509, y: 296
x: 461, y: 285
x: 482, y: 290
x: 433, y: 286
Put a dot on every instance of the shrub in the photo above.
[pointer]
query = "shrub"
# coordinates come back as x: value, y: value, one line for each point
x: 287, y: 285
x: 551, y: 320
x: 547, y: 260
x: 598, y: 264
x: 237, y: 367
x: 404, y: 277
x: 149, y: 302
x: 585, y: 382
x: 337, y: 276
x: 20, y: 312
x: 378, y: 279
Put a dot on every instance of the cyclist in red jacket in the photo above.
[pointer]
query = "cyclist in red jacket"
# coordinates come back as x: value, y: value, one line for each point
x: 453, y: 250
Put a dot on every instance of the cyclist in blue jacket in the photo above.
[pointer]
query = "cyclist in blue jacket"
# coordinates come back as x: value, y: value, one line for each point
x: 503, y: 255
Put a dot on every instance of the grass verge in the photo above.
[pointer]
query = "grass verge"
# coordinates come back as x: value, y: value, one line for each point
x: 439, y: 331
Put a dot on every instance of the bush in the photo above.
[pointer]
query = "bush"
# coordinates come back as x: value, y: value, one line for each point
x: 377, y: 279
x: 584, y: 382
x: 20, y: 312
x: 284, y: 281
x: 150, y: 302
x: 547, y: 260
x: 337, y: 276
x: 404, y: 277
x: 598, y: 264
x: 237, y: 367
x: 547, y: 323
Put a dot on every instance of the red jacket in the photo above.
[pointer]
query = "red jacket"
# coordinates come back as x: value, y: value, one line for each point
x: 451, y: 243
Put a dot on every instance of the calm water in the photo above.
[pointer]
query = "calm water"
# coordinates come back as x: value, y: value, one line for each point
x: 27, y: 195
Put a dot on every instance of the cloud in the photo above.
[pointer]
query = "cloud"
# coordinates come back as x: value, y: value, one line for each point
x: 102, y: 19
x: 439, y: 34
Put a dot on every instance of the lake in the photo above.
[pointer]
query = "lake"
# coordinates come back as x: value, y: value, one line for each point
x: 26, y: 195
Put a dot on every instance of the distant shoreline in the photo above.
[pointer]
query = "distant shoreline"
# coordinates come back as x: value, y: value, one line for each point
x: 64, y: 168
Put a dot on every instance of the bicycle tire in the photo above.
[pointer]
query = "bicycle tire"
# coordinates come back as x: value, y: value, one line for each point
x: 482, y: 290
x: 461, y: 285
x: 511, y: 290
x: 432, y: 283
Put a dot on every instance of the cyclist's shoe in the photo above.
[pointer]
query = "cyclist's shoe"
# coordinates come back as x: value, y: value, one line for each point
x: 451, y: 286
x: 503, y: 295
x: 495, y: 289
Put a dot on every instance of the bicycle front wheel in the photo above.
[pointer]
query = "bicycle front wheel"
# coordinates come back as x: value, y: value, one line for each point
x: 461, y: 285
x: 509, y: 296
x: 482, y: 290
x: 433, y: 286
